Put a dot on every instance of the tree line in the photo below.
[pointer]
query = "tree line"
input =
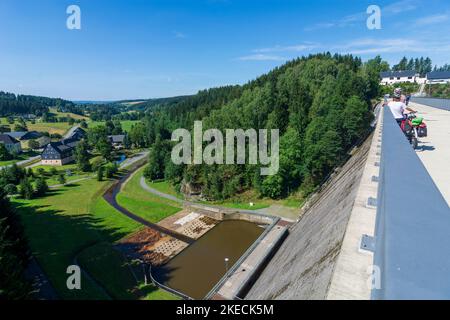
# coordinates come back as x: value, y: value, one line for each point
x: 11, y: 104
x: 420, y: 65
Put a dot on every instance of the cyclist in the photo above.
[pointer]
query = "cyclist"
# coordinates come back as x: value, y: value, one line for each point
x: 398, y: 107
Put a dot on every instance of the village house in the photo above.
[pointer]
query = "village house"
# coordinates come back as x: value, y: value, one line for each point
x: 59, y: 153
x: 26, y: 136
x: 393, y: 77
x: 117, y: 141
x: 62, y: 152
x: 438, y: 77
x: 11, y: 144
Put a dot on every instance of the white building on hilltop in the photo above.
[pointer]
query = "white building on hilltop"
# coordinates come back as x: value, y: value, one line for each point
x: 393, y: 77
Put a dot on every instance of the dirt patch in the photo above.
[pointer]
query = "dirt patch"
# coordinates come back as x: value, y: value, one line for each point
x: 141, y: 245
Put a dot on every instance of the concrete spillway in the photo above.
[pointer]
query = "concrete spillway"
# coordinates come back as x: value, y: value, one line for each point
x: 304, y: 265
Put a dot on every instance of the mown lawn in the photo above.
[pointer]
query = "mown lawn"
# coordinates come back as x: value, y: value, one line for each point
x: 143, y: 203
x: 75, y: 221
x: 165, y: 187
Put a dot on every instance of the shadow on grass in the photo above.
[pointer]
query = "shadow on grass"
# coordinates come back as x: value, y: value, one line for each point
x: 56, y: 237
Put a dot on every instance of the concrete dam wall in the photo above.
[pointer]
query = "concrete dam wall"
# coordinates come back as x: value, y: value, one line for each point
x: 303, y: 266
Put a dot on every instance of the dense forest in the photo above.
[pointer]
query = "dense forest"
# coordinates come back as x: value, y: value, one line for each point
x: 321, y: 104
x: 14, y: 253
x: 11, y: 104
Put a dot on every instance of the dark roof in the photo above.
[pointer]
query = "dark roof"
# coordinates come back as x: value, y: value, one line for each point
x: 6, y: 139
x: 117, y: 138
x: 396, y: 74
x: 17, y: 134
x: 435, y: 75
x: 64, y: 145
x: 77, y: 133
x: 24, y: 135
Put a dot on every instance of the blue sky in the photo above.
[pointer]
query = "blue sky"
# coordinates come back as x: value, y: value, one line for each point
x: 158, y: 48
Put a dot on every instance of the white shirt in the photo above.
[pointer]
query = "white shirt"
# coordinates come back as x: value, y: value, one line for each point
x: 397, y: 109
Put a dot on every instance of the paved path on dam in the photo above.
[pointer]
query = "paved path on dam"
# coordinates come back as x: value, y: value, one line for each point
x: 434, y: 150
x: 271, y: 211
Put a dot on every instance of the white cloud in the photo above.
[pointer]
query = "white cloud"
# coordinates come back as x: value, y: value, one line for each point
x: 392, y: 9
x: 293, y: 48
x: 400, y: 7
x: 437, y: 18
x: 372, y: 46
x: 179, y: 35
x: 261, y: 57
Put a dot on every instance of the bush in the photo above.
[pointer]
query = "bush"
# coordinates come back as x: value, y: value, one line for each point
x: 96, y: 163
x: 10, y: 189
x: 53, y: 171
x: 26, y: 189
x: 110, y: 170
x: 61, y: 178
x: 100, y: 173
x: 41, y: 187
x: 33, y: 144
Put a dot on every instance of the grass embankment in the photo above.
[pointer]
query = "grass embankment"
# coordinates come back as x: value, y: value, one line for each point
x: 241, y: 201
x: 21, y: 157
x: 75, y: 221
x: 164, y: 187
x: 143, y: 203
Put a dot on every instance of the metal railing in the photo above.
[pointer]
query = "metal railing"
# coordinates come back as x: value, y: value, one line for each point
x: 443, y: 104
x: 412, y: 235
x: 166, y: 288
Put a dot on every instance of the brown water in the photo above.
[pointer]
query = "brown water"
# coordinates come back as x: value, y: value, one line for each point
x: 200, y: 266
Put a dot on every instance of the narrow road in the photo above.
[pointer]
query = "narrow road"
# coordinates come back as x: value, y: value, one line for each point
x: 137, y: 157
x: 110, y: 197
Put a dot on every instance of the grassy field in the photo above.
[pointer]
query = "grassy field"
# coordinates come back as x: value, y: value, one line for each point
x: 50, y: 127
x: 126, y: 124
x: 75, y: 221
x: 67, y: 114
x: 143, y: 203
